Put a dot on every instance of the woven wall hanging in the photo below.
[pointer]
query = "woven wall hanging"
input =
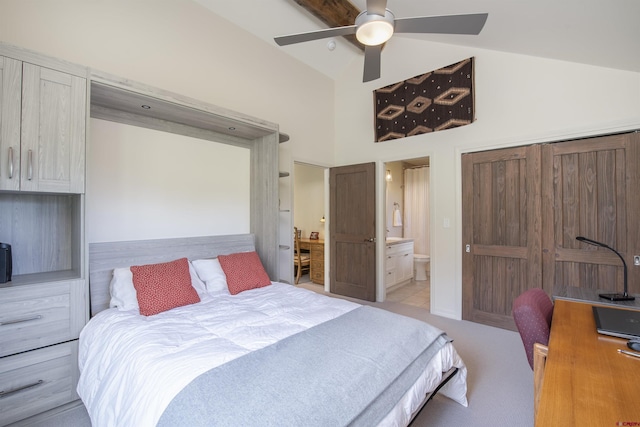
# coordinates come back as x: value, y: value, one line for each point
x: 437, y: 100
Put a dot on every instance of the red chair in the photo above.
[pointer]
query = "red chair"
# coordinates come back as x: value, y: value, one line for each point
x: 532, y: 312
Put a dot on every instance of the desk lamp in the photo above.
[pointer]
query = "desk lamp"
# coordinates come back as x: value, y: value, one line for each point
x: 611, y: 297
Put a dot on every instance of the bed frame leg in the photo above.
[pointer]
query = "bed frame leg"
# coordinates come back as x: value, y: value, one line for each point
x: 445, y: 379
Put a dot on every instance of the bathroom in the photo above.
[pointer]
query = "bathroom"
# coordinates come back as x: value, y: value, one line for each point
x: 407, y: 217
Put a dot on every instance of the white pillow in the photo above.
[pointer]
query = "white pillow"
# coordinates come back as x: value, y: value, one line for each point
x: 123, y: 293
x: 211, y: 273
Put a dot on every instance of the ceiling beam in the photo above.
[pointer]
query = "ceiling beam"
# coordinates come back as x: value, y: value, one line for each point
x: 334, y: 13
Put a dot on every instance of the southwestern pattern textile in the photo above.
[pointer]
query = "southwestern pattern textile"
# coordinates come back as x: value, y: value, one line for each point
x: 438, y: 100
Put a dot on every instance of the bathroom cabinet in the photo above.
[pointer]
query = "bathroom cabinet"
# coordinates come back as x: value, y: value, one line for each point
x: 399, y: 262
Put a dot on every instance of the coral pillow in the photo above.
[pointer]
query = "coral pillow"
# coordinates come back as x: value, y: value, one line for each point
x: 161, y: 287
x: 244, y: 271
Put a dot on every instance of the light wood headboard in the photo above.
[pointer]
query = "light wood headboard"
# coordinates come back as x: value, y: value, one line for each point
x: 104, y: 257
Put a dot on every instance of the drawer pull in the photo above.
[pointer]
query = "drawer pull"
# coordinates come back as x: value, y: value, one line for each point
x: 20, y: 320
x: 16, y: 390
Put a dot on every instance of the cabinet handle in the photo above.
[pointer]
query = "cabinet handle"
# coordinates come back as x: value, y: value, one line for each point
x: 18, y: 389
x: 30, y: 165
x: 20, y: 320
x: 10, y: 162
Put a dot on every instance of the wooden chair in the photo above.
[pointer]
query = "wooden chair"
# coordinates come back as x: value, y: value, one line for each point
x: 301, y: 260
x: 540, y: 352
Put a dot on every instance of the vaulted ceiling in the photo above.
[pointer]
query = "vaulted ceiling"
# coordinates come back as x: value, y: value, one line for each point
x: 596, y: 32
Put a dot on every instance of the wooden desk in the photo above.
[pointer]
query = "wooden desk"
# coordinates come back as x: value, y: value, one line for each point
x: 316, y: 255
x: 586, y: 381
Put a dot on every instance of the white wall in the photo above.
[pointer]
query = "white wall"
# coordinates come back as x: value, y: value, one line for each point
x: 145, y: 184
x: 179, y: 46
x: 519, y: 100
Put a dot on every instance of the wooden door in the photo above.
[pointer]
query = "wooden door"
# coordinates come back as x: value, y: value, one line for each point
x: 590, y: 188
x: 53, y: 131
x: 10, y: 94
x: 352, y: 231
x: 501, y: 231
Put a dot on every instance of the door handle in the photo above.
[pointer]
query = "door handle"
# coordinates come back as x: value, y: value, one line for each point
x: 371, y: 239
x: 10, y: 162
x: 30, y: 165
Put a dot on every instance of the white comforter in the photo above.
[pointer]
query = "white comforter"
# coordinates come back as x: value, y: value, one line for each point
x: 132, y: 366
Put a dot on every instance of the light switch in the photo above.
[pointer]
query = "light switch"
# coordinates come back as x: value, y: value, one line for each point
x: 447, y: 223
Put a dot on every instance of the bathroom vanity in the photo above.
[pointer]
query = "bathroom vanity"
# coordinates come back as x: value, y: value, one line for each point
x: 399, y: 261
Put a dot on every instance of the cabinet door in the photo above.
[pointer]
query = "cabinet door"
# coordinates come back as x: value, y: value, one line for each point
x: 53, y: 131
x: 406, y: 261
x: 10, y: 84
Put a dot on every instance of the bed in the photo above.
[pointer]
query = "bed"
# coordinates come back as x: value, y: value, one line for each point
x: 261, y: 354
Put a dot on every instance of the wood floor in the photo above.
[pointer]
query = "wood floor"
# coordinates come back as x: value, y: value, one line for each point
x: 415, y: 293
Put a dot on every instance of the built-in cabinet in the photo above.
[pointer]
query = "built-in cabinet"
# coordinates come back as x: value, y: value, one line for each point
x: 285, y: 206
x: 43, y: 125
x: 399, y: 263
x: 43, y: 113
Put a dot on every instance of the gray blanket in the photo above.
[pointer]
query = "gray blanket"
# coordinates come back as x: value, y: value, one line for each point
x: 348, y: 371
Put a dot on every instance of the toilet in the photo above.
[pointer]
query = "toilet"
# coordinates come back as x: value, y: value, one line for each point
x: 420, y: 263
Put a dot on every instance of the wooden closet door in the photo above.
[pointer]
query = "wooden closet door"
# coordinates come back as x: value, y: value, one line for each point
x: 590, y: 189
x: 501, y: 231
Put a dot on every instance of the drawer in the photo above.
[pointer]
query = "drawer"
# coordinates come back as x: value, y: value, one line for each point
x: 33, y: 316
x: 390, y: 261
x: 390, y: 278
x: 316, y: 273
x: 392, y: 249
x: 317, y: 277
x: 37, y: 381
x: 316, y: 250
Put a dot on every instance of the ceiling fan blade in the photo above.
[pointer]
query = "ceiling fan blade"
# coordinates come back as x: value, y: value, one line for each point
x: 377, y: 7
x: 449, y: 24
x: 315, y: 35
x: 371, y: 63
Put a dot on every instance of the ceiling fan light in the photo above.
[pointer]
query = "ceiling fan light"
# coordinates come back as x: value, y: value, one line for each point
x: 373, y: 33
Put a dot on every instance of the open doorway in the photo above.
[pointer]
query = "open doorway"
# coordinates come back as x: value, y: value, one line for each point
x: 408, y: 233
x: 309, y: 219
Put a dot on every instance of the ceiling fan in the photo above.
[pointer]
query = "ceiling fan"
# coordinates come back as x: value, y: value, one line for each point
x: 375, y: 25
